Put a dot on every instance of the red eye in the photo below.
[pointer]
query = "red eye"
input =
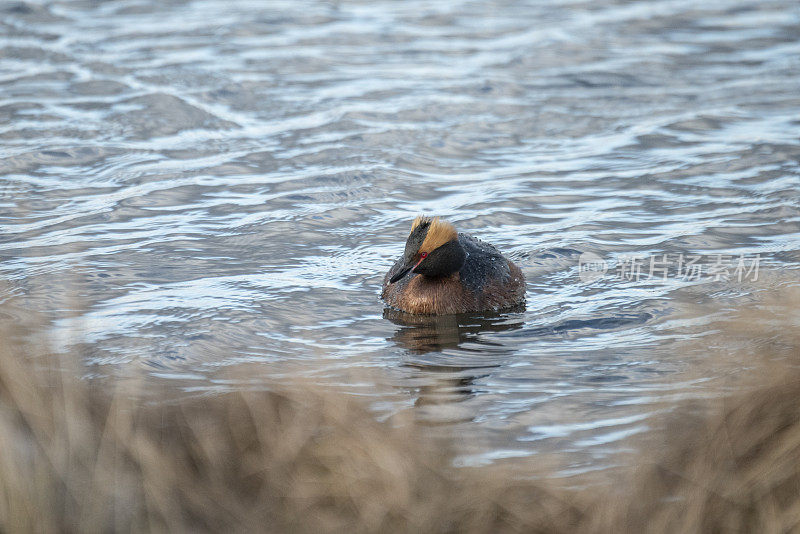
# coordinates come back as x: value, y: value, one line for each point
x: 423, y: 254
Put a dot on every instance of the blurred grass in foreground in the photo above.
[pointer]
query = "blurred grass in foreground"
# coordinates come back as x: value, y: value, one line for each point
x: 86, y: 455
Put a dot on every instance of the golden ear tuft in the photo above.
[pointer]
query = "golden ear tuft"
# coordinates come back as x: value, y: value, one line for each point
x: 439, y: 233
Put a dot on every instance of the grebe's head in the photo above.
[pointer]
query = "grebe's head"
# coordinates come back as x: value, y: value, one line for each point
x: 432, y: 249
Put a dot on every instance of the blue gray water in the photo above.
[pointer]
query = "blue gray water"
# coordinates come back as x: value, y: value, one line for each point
x: 190, y: 187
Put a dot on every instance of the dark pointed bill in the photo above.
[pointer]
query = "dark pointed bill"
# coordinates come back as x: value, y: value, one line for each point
x: 404, y: 272
x: 400, y: 275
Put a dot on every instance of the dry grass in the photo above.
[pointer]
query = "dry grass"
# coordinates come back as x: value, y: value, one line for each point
x: 74, y: 457
x: 737, y: 470
x: 77, y: 455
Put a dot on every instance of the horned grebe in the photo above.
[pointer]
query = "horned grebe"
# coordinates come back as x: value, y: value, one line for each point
x: 444, y: 272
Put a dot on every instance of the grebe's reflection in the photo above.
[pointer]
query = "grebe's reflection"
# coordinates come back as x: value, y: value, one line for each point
x: 448, y: 354
x: 428, y: 333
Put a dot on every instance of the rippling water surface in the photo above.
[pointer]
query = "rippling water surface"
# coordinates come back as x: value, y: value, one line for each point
x: 194, y: 186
